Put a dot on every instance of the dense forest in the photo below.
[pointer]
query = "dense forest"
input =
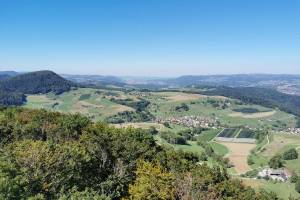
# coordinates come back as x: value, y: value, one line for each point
x: 49, y: 155
x: 12, y: 89
x: 262, y: 96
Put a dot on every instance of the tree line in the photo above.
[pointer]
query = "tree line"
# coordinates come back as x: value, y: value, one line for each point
x: 50, y: 155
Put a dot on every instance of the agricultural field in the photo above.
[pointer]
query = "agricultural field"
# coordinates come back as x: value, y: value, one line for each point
x: 238, y: 135
x: 238, y: 155
x: 229, y: 132
x: 208, y: 135
x: 246, y: 133
x: 98, y: 105
x: 283, y: 190
x: 94, y: 103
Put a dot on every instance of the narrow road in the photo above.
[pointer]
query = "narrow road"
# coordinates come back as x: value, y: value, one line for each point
x: 268, y: 142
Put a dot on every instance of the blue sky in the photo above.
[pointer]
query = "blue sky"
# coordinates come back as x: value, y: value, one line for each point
x: 151, y: 37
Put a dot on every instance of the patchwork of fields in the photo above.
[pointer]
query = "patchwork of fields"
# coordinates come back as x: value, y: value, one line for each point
x: 91, y: 102
x: 229, y: 112
x: 233, y: 143
x: 98, y: 105
x: 238, y: 135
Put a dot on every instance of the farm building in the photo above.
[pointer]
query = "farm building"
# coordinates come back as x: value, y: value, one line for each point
x: 275, y: 174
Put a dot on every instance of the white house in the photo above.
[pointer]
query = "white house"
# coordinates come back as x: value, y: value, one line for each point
x: 275, y: 174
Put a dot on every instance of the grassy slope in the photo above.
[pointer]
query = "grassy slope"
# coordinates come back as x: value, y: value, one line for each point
x: 162, y: 105
x: 98, y: 106
x: 278, y: 144
x: 283, y: 190
x: 164, y: 108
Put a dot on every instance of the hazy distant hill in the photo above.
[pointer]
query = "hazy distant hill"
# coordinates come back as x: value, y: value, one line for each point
x: 7, y: 74
x: 97, y: 80
x: 238, y: 80
x: 262, y: 96
x: 289, y: 84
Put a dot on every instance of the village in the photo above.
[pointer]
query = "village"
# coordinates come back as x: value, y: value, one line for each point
x: 190, y: 121
x: 293, y: 131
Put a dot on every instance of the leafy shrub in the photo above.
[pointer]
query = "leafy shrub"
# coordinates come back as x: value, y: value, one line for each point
x: 276, y: 162
x: 290, y: 154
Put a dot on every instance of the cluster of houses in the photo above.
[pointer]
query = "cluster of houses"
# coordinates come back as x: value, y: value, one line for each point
x: 293, y: 131
x: 275, y: 174
x: 190, y: 121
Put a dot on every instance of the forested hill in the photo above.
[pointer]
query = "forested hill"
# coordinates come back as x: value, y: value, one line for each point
x: 262, y: 96
x: 12, y: 89
x: 37, y: 82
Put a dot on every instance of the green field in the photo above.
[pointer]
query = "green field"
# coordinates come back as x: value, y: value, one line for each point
x: 283, y: 190
x: 279, y: 143
x: 219, y: 148
x: 208, y: 135
x: 91, y: 102
x: 229, y: 132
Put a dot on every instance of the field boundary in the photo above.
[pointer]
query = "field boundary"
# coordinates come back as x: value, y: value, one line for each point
x: 236, y: 140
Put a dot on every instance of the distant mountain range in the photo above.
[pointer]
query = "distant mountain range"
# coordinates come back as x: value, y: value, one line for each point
x: 239, y: 80
x: 285, y: 83
x: 289, y: 84
x: 94, y: 79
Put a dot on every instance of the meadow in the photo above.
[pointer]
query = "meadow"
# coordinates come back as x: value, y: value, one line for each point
x: 278, y: 144
x: 283, y: 190
x: 91, y: 102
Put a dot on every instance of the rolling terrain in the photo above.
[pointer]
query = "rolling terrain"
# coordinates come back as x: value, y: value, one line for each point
x: 222, y: 126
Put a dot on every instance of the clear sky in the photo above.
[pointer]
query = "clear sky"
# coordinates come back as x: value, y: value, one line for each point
x: 150, y: 37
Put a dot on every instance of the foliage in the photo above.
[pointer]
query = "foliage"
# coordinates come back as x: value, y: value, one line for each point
x: 290, y: 154
x: 297, y: 186
x: 12, y: 181
x: 152, y: 182
x: 37, y: 82
x: 173, y: 138
x: 74, y: 194
x: 152, y: 130
x: 11, y: 98
x: 130, y: 116
x: 251, y: 174
x: 140, y: 105
x: 49, y: 155
x: 182, y: 107
x: 276, y: 162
